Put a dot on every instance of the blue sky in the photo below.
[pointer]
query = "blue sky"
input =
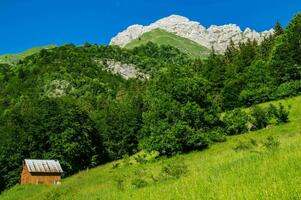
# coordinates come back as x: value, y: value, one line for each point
x: 28, y: 23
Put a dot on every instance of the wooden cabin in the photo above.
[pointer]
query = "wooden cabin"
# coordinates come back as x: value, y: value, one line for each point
x: 41, y: 172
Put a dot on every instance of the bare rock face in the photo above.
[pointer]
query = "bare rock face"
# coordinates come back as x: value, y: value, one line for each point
x: 127, y: 71
x: 217, y: 37
x: 58, y: 88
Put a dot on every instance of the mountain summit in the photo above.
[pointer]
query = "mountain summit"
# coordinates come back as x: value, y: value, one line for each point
x: 217, y: 37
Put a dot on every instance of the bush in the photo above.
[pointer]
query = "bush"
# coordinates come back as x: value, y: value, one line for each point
x: 197, y: 140
x: 217, y: 135
x: 271, y: 143
x: 287, y: 89
x: 167, y: 139
x: 260, y: 118
x: 282, y: 114
x: 115, y: 165
x: 247, y: 145
x: 139, y: 183
x: 236, y: 122
x: 120, y: 183
x: 173, y: 171
x: 140, y: 158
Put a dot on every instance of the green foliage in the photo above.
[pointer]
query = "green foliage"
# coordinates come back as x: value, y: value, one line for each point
x: 278, y: 29
x: 173, y: 170
x: 62, y: 132
x: 211, y: 172
x: 179, y: 112
x: 271, y: 143
x: 245, y: 145
x: 63, y: 103
x: 280, y: 114
x: 258, y: 87
x: 161, y: 37
x: 139, y: 183
x: 287, y: 89
x: 60, y: 104
x: 260, y: 117
x: 15, y: 58
x: 236, y: 122
x: 120, y: 183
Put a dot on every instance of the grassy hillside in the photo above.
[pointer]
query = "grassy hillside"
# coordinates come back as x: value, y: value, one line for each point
x: 14, y: 58
x: 162, y: 37
x: 241, y: 168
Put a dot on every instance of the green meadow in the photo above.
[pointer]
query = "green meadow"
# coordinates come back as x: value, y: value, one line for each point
x: 162, y: 37
x: 14, y: 58
x: 249, y: 166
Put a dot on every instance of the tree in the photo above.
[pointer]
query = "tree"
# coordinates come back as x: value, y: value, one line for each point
x: 119, y: 124
x: 278, y: 30
x: 49, y: 129
x: 179, y: 111
x: 236, y: 122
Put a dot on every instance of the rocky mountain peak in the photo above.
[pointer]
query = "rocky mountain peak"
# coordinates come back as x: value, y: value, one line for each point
x: 217, y: 37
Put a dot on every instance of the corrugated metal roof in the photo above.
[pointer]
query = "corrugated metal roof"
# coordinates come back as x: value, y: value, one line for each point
x: 43, y: 166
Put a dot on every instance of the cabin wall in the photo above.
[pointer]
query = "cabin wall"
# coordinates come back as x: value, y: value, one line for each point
x: 25, y: 176
x: 39, y: 178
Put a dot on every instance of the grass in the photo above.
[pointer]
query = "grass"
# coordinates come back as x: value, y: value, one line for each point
x: 162, y: 37
x: 220, y: 172
x: 14, y: 58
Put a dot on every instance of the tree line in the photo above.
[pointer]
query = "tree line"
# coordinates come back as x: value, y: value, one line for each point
x: 61, y: 104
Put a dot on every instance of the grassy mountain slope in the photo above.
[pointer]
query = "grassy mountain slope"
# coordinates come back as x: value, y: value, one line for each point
x: 14, y: 58
x: 162, y: 37
x: 253, y: 172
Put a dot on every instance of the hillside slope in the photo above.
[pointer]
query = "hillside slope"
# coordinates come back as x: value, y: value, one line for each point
x: 14, y: 58
x: 241, y: 168
x: 162, y: 37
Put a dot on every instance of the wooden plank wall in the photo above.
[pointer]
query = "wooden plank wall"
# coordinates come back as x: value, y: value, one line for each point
x: 38, y: 178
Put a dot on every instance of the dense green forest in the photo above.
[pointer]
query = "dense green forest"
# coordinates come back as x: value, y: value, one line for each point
x: 63, y: 104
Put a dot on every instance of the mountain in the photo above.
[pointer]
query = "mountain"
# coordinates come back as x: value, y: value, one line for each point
x: 217, y: 37
x: 260, y: 165
x: 161, y: 37
x: 14, y: 58
x: 202, y: 119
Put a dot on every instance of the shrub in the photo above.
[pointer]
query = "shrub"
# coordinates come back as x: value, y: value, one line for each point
x: 115, y: 165
x: 197, y: 140
x: 287, y: 89
x: 260, y: 117
x: 247, y: 145
x: 140, y: 158
x: 120, y: 183
x: 167, y: 139
x: 282, y: 114
x: 141, y: 172
x: 235, y: 122
x: 217, y: 135
x: 173, y: 171
x: 139, y: 183
x: 271, y: 143
x: 126, y: 160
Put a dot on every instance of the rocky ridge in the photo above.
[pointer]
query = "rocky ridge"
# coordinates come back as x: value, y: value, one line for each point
x: 216, y: 37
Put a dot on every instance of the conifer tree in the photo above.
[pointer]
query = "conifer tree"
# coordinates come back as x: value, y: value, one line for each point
x: 278, y: 29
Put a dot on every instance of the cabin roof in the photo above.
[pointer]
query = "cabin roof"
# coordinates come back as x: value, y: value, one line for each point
x: 43, y: 166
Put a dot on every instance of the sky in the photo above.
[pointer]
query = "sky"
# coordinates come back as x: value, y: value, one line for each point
x: 28, y: 23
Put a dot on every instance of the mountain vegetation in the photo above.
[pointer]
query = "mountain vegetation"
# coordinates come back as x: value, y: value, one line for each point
x: 62, y: 103
x: 15, y: 58
x: 161, y: 37
x: 263, y: 164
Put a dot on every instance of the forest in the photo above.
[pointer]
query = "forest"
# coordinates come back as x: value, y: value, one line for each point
x: 62, y: 104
